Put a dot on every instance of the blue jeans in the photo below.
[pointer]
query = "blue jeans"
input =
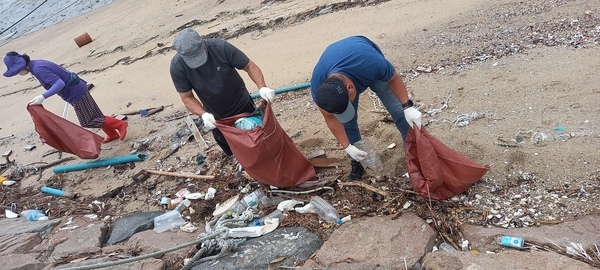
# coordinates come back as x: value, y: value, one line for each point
x: 391, y: 103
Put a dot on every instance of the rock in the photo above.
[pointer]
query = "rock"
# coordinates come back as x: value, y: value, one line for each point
x: 77, y: 238
x: 582, y: 231
x: 293, y: 244
x: 146, y: 264
x: 21, y: 243
x: 15, y: 226
x: 124, y: 227
x: 375, y: 242
x: 509, y: 259
x: 21, y: 262
x: 149, y: 241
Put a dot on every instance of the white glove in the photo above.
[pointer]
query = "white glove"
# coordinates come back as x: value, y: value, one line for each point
x: 267, y: 94
x: 37, y: 100
x: 209, y: 120
x: 356, y: 153
x: 413, y: 116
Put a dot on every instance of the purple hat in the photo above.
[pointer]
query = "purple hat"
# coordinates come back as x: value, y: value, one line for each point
x: 14, y: 64
x: 332, y: 96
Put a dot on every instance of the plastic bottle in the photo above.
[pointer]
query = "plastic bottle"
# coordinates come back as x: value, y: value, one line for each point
x: 372, y: 160
x: 34, y: 215
x: 278, y: 214
x: 182, y: 205
x: 170, y: 220
x: 325, y: 210
x: 252, y: 200
x: 446, y: 247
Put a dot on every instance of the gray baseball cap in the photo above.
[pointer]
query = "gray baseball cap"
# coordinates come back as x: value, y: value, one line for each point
x: 188, y: 43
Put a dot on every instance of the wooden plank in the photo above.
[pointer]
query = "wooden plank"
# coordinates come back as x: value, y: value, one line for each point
x: 181, y: 174
x: 197, y: 135
x: 324, y: 162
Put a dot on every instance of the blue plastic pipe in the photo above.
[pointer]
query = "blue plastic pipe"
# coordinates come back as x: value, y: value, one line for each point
x: 100, y: 163
x: 53, y: 191
x: 285, y: 89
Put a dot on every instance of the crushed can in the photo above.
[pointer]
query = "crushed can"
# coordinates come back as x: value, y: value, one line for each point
x: 511, y: 241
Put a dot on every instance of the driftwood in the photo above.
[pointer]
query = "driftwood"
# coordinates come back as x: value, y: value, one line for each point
x: 45, y: 166
x: 361, y: 184
x: 181, y: 174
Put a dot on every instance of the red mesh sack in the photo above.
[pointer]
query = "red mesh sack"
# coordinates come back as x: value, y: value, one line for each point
x: 435, y: 170
x: 266, y: 152
x: 64, y: 135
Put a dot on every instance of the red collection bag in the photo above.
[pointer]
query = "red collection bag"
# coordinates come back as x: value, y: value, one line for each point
x: 266, y: 152
x: 435, y: 170
x: 64, y: 135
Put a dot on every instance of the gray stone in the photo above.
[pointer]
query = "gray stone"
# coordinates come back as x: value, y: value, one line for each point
x: 295, y: 244
x: 581, y: 231
x: 124, y: 227
x: 508, y: 259
x: 20, y: 262
x: 12, y: 226
x: 375, y: 243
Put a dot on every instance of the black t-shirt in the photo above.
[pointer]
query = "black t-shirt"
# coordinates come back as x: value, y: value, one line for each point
x: 217, y: 83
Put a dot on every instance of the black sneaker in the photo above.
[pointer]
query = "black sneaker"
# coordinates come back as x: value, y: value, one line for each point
x: 357, y: 170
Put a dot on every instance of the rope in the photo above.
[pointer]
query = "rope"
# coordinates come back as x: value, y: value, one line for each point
x: 225, y: 246
x: 149, y: 255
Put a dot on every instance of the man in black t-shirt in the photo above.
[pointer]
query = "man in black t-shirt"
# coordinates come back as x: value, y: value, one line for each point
x: 210, y: 68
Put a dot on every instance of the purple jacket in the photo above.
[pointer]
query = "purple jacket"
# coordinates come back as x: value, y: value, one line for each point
x: 48, y: 73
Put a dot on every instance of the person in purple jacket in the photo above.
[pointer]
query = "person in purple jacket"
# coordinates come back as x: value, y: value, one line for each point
x: 72, y: 89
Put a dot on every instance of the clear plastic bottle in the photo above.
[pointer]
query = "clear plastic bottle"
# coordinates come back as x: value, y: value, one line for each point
x: 182, y: 205
x: 254, y: 198
x: 446, y: 247
x: 278, y: 214
x: 34, y: 215
x: 325, y: 210
x: 372, y: 161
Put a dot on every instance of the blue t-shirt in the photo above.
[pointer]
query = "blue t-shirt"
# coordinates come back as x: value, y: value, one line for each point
x: 217, y: 83
x: 356, y: 57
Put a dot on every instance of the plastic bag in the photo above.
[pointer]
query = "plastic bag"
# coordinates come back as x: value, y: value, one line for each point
x: 64, y: 135
x: 435, y: 170
x: 266, y: 152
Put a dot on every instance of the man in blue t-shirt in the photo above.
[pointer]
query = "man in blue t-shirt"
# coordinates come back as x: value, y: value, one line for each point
x: 345, y: 70
x: 210, y: 68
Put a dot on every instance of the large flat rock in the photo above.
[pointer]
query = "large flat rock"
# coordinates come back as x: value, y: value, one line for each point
x: 77, y: 238
x: 581, y: 231
x: 371, y: 243
x: 509, y: 259
x: 13, y: 226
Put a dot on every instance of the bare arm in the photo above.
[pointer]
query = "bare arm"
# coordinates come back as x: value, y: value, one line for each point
x: 192, y: 103
x: 336, y: 127
x: 398, y: 87
x: 255, y: 74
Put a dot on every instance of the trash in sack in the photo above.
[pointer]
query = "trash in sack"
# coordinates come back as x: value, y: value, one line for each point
x: 435, y: 170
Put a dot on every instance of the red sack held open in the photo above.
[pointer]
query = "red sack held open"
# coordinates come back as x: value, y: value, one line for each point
x: 266, y: 152
x: 435, y: 170
x: 64, y: 135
